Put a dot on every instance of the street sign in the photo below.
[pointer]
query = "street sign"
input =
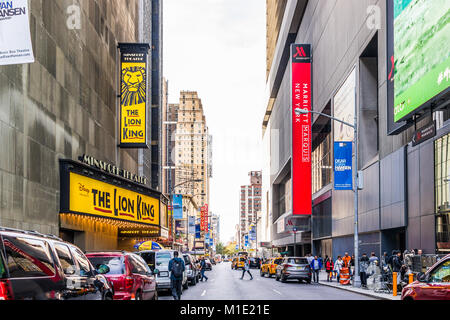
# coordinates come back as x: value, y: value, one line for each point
x: 423, y: 134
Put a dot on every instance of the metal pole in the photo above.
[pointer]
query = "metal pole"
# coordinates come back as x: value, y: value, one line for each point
x: 356, y: 279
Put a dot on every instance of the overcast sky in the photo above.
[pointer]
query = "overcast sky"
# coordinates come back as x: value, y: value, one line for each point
x: 218, y: 48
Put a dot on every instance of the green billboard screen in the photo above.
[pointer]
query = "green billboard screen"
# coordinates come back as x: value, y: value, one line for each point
x: 422, y: 53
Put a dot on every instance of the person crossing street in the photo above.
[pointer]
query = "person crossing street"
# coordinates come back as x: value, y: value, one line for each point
x: 176, y: 268
x: 316, y: 266
x: 246, y: 269
x: 203, y: 269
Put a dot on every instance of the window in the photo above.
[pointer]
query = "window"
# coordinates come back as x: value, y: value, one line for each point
x: 67, y: 262
x: 28, y: 258
x: 442, y: 273
x: 297, y: 261
x: 115, y: 264
x: 83, y: 262
x: 138, y: 267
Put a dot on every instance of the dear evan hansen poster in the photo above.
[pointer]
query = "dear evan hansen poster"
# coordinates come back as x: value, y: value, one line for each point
x: 15, y: 39
x: 343, y: 173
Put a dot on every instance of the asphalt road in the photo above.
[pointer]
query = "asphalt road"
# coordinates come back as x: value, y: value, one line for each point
x: 225, y: 284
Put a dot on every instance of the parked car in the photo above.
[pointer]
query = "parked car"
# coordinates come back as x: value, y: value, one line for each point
x: 255, y: 263
x: 129, y: 273
x: 193, y: 273
x: 432, y: 285
x: 34, y: 266
x: 159, y: 259
x: 294, y: 268
x: 269, y: 267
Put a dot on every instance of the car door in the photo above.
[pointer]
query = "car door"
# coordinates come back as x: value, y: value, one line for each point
x: 438, y: 285
x: 72, y: 289
x: 140, y: 273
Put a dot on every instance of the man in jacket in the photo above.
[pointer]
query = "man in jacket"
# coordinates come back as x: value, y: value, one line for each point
x: 316, y: 265
x: 363, y: 266
x: 203, y: 269
x: 176, y: 268
x: 246, y: 269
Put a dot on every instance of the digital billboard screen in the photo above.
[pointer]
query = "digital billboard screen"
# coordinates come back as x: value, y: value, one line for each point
x: 421, y: 53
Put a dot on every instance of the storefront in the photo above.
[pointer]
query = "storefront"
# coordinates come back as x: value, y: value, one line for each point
x: 106, y: 208
x: 442, y: 193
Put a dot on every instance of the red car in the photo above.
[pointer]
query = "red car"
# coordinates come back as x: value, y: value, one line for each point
x: 432, y: 285
x: 130, y: 275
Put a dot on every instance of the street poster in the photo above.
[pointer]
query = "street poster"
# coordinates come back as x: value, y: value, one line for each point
x: 15, y: 37
x: 301, y: 129
x: 343, y: 173
x: 133, y: 95
x: 177, y: 206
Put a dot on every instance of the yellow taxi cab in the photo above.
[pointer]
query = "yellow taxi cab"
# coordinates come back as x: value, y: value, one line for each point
x: 269, y: 267
x: 233, y: 263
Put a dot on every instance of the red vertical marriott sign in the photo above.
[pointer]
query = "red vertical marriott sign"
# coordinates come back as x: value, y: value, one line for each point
x: 301, y: 129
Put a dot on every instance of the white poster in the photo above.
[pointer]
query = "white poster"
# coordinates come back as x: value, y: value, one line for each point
x: 344, y: 109
x: 15, y: 39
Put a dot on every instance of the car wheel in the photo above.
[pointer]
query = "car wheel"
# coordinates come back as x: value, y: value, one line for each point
x: 108, y: 297
x: 283, y: 279
x: 138, y: 295
x: 186, y: 285
x: 261, y: 273
x: 308, y: 281
x: 155, y: 296
x: 276, y: 278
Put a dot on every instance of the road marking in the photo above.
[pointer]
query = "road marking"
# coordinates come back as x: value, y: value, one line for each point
x: 203, y: 294
x: 277, y: 292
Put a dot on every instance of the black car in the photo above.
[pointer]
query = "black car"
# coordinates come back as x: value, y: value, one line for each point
x: 34, y: 266
x: 255, y: 263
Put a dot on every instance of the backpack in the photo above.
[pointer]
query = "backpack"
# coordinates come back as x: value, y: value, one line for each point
x: 177, y: 268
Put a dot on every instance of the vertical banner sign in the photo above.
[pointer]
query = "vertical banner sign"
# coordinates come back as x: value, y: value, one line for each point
x: 202, y: 219
x: 133, y: 95
x: 197, y: 231
x: 177, y: 206
x: 301, y: 129
x: 15, y: 38
x: 191, y: 221
x: 343, y: 173
x: 206, y: 218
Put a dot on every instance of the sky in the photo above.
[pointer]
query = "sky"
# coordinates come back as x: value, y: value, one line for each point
x: 218, y: 48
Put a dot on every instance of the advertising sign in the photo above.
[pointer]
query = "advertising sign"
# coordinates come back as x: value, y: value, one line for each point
x: 92, y: 197
x: 198, y: 233
x: 133, y: 95
x: 191, y: 221
x: 177, y: 206
x: 15, y: 38
x: 204, y: 218
x: 301, y: 129
x: 343, y: 166
x: 421, y: 55
x: 344, y: 103
x: 423, y: 134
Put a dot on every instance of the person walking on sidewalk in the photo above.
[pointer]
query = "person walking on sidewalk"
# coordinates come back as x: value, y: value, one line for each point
x: 176, y: 268
x: 338, y: 265
x: 246, y: 269
x: 373, y: 258
x: 203, y: 269
x: 363, y: 265
x: 316, y: 265
x: 329, y: 267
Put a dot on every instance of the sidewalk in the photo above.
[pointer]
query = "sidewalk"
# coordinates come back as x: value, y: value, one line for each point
x: 370, y: 293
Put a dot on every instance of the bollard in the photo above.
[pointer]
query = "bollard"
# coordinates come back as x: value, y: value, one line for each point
x: 394, y: 283
x: 411, y: 278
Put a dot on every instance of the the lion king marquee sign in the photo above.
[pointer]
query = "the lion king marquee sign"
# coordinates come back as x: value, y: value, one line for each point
x: 133, y: 95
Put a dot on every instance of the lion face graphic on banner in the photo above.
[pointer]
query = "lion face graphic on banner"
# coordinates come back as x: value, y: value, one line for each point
x: 133, y: 86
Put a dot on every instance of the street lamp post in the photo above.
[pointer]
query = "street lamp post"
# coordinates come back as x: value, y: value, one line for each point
x: 299, y: 111
x: 171, y: 202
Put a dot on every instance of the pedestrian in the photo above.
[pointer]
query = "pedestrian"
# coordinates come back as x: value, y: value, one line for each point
x: 321, y: 260
x: 246, y: 269
x: 346, y: 260
x: 329, y: 267
x: 309, y: 258
x: 176, y: 268
x: 203, y: 269
x: 352, y: 266
x: 397, y: 265
x: 384, y: 260
x: 316, y: 265
x: 363, y: 265
x: 373, y: 258
x: 338, y: 265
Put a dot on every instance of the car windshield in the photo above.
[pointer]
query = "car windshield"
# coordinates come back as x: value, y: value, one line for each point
x: 242, y: 259
x: 163, y: 258
x: 115, y: 264
x: 297, y: 261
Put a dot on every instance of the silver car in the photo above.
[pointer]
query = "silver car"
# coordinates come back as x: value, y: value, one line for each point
x: 294, y: 268
x: 159, y: 259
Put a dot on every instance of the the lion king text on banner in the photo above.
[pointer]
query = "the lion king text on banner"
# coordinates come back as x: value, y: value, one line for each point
x: 96, y: 198
x: 133, y: 95
x: 15, y: 38
x: 301, y: 129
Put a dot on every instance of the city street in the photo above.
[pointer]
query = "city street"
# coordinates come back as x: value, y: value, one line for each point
x: 225, y: 284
